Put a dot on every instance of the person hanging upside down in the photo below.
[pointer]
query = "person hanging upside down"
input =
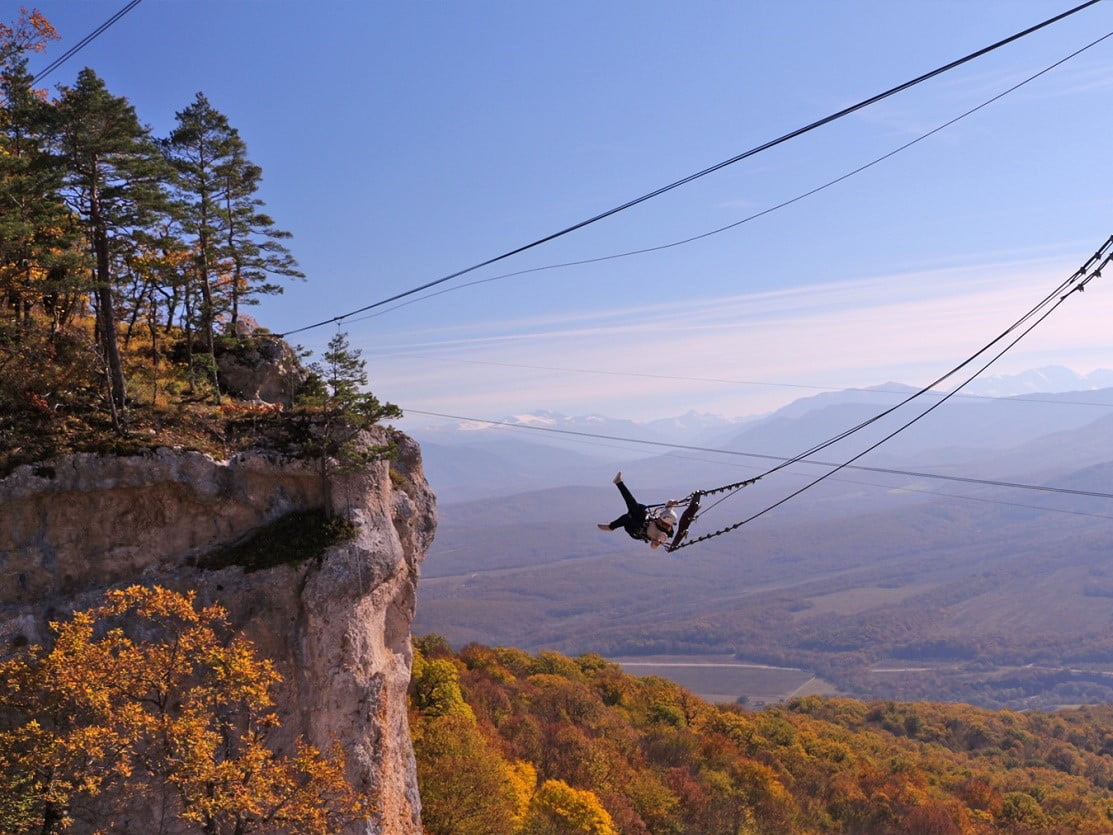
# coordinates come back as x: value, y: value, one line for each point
x: 656, y: 529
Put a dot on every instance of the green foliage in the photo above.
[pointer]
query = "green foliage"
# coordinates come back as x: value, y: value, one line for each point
x: 232, y: 246
x: 435, y: 687
x: 295, y: 538
x: 654, y: 759
x: 466, y: 787
x: 121, y: 256
x: 343, y: 410
x: 157, y: 237
x: 433, y: 646
x: 337, y: 388
x: 113, y: 175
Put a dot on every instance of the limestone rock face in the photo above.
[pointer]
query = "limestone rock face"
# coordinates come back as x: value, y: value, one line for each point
x: 337, y: 628
x: 263, y: 368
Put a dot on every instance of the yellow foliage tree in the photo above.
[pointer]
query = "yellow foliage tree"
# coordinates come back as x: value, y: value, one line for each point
x: 107, y: 720
x: 435, y: 687
x: 467, y: 788
x: 560, y: 809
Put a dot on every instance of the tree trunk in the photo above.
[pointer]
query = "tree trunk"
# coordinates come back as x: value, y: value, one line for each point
x: 207, y: 308
x: 106, y: 321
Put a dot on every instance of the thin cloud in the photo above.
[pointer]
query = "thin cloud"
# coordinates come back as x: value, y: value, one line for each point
x: 904, y: 328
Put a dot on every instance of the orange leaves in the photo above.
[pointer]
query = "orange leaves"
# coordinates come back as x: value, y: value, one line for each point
x: 656, y: 759
x: 147, y: 698
x: 558, y: 807
x: 40, y: 25
x: 30, y: 33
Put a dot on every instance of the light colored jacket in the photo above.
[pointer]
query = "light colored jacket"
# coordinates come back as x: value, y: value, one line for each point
x: 657, y: 535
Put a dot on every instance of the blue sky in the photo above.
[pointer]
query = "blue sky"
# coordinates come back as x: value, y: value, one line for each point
x: 402, y: 142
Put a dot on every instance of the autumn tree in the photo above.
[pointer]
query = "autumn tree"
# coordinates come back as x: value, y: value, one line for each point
x: 467, y: 786
x: 114, y: 175
x: 30, y: 32
x: 148, y: 699
x: 560, y: 809
x: 35, y: 234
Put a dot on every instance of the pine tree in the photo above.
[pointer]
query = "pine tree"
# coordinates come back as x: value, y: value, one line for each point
x: 34, y: 239
x: 254, y: 243
x: 114, y: 184
x: 198, y: 147
x: 235, y: 245
x: 336, y: 390
x: 345, y: 373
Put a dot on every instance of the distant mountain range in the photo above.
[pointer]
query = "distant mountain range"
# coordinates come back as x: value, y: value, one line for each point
x: 1052, y: 378
x: 884, y: 560
x: 474, y: 459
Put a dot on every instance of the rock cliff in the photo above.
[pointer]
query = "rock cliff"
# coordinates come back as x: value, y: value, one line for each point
x: 337, y: 625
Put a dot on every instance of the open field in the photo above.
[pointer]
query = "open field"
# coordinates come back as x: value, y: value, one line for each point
x: 722, y: 678
x: 862, y: 599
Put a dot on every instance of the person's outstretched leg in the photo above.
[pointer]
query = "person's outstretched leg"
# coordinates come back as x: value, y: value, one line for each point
x: 632, y: 506
x: 620, y: 522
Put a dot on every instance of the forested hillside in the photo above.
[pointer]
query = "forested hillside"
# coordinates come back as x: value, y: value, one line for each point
x: 509, y: 742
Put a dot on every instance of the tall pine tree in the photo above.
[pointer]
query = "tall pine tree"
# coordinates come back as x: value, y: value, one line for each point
x: 33, y: 220
x: 254, y: 243
x: 114, y: 176
x: 200, y: 144
x: 235, y: 246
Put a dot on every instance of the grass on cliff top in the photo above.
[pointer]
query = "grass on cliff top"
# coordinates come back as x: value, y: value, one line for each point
x: 52, y: 398
x: 293, y: 539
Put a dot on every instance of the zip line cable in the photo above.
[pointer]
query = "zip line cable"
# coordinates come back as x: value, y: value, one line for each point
x: 924, y: 492
x: 1075, y: 283
x: 921, y: 491
x: 1078, y: 287
x: 1078, y: 274
x: 904, y: 489
x: 704, y: 172
x: 1079, y: 278
x: 756, y: 215
x: 88, y: 39
x: 859, y: 455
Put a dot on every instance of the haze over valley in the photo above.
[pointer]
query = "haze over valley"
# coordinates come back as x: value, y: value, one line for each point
x: 873, y: 583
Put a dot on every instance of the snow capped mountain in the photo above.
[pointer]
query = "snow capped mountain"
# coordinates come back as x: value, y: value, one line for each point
x: 473, y: 458
x: 1052, y: 378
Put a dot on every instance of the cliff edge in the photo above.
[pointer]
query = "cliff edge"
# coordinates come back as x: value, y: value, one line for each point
x: 336, y: 622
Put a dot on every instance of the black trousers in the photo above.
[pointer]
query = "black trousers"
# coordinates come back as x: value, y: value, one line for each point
x: 633, y: 520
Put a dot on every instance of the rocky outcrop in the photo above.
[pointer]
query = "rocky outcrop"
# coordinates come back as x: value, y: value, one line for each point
x: 337, y: 626
x: 262, y: 368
